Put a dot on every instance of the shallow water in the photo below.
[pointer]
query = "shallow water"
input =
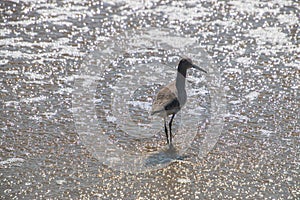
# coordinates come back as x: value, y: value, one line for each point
x: 77, y: 82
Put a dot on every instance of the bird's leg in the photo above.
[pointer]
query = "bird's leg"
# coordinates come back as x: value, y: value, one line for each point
x: 166, y: 131
x: 170, y: 127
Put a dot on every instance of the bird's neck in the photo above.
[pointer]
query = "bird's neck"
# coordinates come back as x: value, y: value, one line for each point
x: 180, y: 80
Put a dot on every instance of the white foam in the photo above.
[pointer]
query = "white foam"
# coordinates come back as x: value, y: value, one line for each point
x: 236, y: 117
x: 10, y: 103
x: 183, y: 180
x: 141, y: 104
x: 34, y: 99
x: 266, y: 132
x: 4, y: 61
x: 245, y: 61
x: 36, y: 118
x: 33, y: 75
x: 175, y: 12
x: 233, y: 70
x: 66, y: 90
x: 49, y: 114
x: 252, y: 95
x: 254, y: 7
x: 111, y: 118
x: 235, y: 102
x: 61, y: 182
x: 289, y: 19
x: 295, y: 64
x: 10, y: 161
x: 12, y: 72
x: 273, y: 35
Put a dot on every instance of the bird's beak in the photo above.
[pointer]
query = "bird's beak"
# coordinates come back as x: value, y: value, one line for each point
x: 196, y: 67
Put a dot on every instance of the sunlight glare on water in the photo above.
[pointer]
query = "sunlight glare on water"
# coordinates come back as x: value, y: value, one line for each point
x: 71, y: 129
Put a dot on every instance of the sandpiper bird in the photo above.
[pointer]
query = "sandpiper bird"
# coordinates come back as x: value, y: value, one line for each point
x: 171, y: 98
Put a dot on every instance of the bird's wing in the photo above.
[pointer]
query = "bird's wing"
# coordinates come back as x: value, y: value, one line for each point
x: 164, y: 97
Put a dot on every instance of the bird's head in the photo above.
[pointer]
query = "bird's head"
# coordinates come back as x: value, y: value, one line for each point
x: 187, y: 63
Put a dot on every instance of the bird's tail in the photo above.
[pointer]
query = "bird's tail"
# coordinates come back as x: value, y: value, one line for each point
x: 153, y: 112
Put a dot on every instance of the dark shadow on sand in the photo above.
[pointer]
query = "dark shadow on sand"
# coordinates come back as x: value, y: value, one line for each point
x: 167, y: 155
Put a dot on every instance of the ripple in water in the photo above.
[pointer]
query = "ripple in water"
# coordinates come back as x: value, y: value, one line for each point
x: 114, y: 92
